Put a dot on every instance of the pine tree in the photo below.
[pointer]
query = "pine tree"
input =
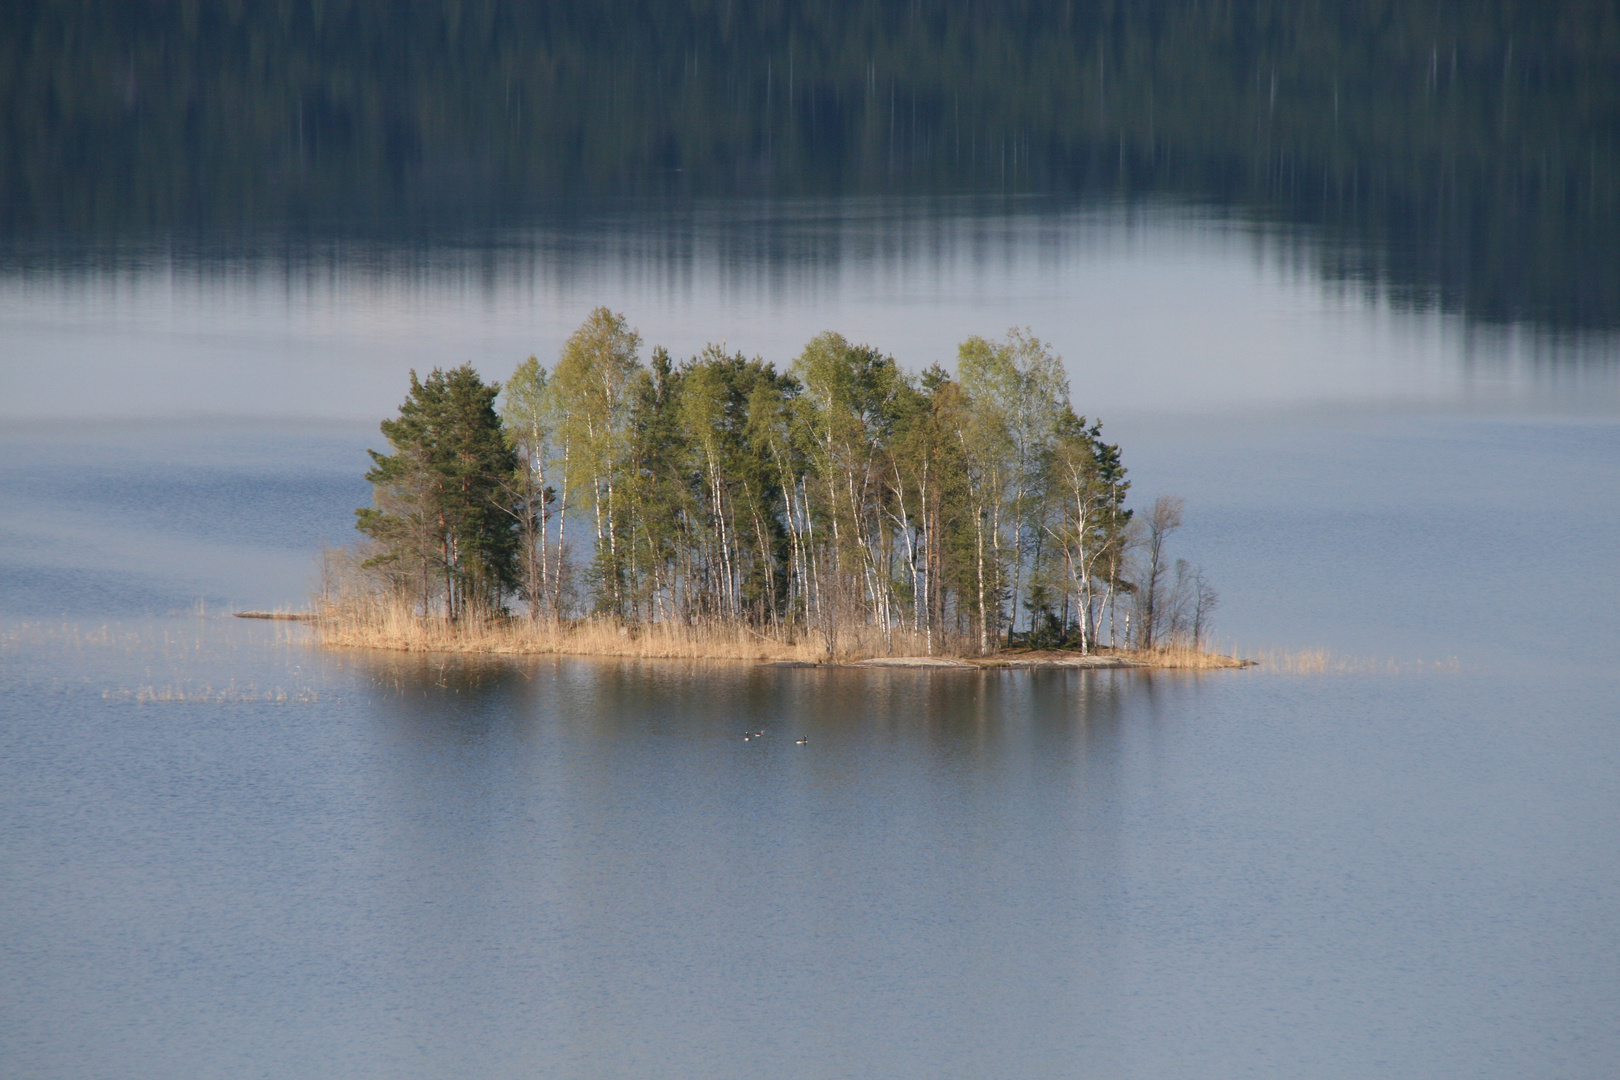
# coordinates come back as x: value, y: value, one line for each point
x: 442, y: 510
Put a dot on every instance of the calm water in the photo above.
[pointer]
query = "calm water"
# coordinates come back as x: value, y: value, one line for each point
x: 227, y: 853
x: 1155, y: 306
x: 1345, y: 282
x: 566, y: 868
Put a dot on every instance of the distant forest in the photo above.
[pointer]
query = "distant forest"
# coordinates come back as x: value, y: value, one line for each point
x: 1467, y: 152
x: 840, y: 494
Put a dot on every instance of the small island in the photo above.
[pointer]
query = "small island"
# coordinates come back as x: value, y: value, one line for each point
x: 842, y: 511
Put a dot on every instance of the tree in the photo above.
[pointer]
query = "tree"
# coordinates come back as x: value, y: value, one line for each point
x: 1085, y: 519
x: 529, y: 425
x: 592, y: 387
x: 771, y: 436
x: 1190, y: 603
x: 739, y: 528
x: 1018, y: 387
x: 845, y: 415
x: 1203, y: 601
x: 842, y: 496
x: 1152, y: 610
x: 925, y: 469
x: 442, y: 512
x: 660, y: 493
x: 1111, y: 476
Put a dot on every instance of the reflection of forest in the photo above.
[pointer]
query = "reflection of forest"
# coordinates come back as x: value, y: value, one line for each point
x: 1467, y: 152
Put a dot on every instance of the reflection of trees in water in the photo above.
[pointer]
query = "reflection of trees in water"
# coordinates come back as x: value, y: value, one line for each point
x: 783, y: 700
x: 439, y: 676
x: 1468, y: 156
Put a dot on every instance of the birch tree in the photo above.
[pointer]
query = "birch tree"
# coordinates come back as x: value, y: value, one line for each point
x: 1019, y: 385
x: 592, y: 386
x: 844, y: 414
x: 526, y: 415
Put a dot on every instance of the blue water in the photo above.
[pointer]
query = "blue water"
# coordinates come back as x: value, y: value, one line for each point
x: 226, y: 853
x: 575, y: 868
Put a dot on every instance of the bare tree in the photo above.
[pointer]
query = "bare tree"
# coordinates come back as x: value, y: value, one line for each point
x: 1163, y: 518
x: 1203, y: 600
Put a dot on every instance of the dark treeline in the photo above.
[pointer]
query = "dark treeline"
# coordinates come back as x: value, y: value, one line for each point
x: 1467, y: 152
x: 840, y: 494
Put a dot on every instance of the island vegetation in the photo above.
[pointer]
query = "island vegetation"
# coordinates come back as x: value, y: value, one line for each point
x: 842, y: 508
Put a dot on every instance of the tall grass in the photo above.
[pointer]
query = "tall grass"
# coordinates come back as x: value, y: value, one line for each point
x: 395, y: 626
x: 380, y: 622
x: 373, y: 620
x: 355, y: 609
x: 1185, y: 657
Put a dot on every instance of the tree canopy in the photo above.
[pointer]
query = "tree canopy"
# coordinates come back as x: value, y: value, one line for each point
x: 443, y: 516
x: 842, y: 494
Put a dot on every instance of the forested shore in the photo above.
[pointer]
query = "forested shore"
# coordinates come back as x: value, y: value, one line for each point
x: 842, y: 508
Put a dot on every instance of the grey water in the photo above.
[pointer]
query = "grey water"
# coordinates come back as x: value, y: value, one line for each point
x: 228, y: 853
x: 1353, y: 298
x: 567, y: 868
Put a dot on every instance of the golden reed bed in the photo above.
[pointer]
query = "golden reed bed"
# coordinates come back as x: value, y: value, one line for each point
x: 391, y: 627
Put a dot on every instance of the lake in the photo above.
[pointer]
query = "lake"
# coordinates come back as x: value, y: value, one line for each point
x: 1386, y: 850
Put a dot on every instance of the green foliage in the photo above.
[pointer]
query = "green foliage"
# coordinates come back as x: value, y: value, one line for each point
x: 526, y: 409
x: 1019, y: 389
x: 529, y: 422
x: 1086, y: 520
x: 844, y: 494
x: 593, y: 392
x: 737, y: 513
x: 442, y: 513
x: 664, y: 506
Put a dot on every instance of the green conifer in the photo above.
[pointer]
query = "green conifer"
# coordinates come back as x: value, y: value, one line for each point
x: 441, y: 510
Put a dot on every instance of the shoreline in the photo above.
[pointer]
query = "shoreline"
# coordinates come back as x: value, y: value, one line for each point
x: 1045, y: 659
x: 658, y: 642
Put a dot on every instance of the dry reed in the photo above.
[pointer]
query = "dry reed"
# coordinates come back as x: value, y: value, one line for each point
x: 373, y: 622
x: 380, y: 624
x: 1184, y: 657
x: 193, y: 694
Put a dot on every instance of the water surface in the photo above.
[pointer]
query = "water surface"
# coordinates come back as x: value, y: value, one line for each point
x: 580, y: 868
x: 1340, y: 276
x: 229, y: 852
